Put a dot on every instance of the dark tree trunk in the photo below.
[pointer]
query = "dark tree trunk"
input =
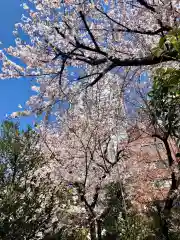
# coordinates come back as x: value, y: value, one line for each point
x: 92, y: 227
x: 99, y: 229
x: 169, y: 200
x: 165, y: 229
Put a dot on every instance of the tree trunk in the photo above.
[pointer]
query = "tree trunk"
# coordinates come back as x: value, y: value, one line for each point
x: 169, y: 200
x: 165, y: 229
x: 92, y: 228
x: 99, y: 229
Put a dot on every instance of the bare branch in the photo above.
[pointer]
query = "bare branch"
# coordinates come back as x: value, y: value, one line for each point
x: 89, y: 31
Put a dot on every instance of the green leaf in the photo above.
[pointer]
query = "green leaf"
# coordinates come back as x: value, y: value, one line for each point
x: 157, y: 52
x: 161, y: 42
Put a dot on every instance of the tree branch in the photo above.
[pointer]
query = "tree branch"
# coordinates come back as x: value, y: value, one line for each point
x: 89, y: 31
x: 106, y: 70
x: 146, y: 5
x: 127, y: 29
x: 95, y: 197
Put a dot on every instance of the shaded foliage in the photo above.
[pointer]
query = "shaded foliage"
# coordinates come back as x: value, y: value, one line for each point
x: 165, y: 100
x: 26, y: 202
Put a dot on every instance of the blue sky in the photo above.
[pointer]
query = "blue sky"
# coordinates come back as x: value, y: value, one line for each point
x: 12, y: 91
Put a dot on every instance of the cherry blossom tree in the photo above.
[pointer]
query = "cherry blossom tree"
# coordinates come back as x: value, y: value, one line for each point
x: 77, y: 41
x: 78, y: 52
x: 89, y: 146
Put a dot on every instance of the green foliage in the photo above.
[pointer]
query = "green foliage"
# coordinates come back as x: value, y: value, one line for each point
x: 15, y: 148
x: 165, y: 99
x: 157, y: 218
x: 115, y: 201
x: 169, y: 45
x: 165, y: 95
x: 164, y: 106
x: 26, y: 199
x: 72, y: 234
x: 121, y: 222
x: 134, y: 227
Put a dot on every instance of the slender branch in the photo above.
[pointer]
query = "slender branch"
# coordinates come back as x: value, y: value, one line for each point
x: 146, y: 5
x: 89, y: 31
x: 106, y: 70
x: 15, y: 167
x: 127, y: 29
x: 95, y: 197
